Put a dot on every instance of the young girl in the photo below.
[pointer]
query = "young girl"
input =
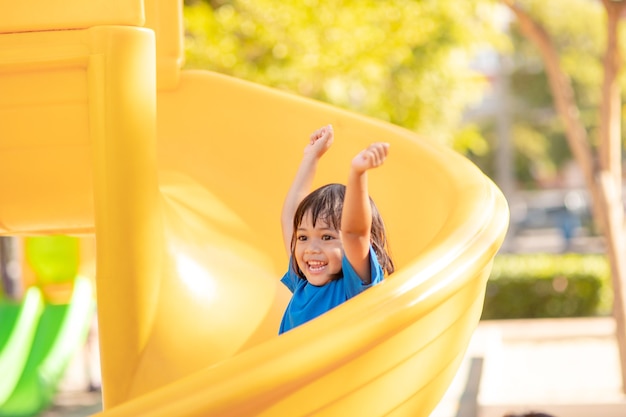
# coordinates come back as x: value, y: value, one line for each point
x: 334, y: 236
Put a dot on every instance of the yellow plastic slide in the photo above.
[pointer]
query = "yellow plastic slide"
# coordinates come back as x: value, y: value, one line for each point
x: 182, y: 186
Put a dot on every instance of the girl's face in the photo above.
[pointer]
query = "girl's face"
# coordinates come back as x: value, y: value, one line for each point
x: 318, y: 251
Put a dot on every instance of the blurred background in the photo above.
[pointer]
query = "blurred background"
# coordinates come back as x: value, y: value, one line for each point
x: 529, y: 90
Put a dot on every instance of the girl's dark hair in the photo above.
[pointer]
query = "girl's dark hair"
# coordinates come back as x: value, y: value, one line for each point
x: 326, y: 204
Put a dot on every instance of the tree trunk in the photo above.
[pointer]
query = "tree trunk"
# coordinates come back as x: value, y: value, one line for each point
x: 603, y: 174
x: 610, y: 150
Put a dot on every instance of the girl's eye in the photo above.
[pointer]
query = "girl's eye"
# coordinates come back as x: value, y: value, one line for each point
x: 327, y: 237
x: 301, y: 238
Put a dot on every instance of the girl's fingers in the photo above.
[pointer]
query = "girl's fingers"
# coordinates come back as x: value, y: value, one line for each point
x: 321, y: 133
x: 320, y: 141
x: 374, y: 155
x: 378, y: 153
x: 316, y: 135
x: 313, y: 137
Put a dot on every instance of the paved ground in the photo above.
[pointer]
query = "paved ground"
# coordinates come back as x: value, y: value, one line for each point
x: 74, y: 404
x: 564, y: 367
x: 75, y: 398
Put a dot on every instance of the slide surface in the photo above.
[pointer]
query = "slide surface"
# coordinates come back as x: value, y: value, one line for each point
x: 183, y: 189
x: 391, y: 351
x: 57, y: 332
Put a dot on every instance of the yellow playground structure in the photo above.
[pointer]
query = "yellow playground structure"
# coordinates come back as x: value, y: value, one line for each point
x: 180, y: 176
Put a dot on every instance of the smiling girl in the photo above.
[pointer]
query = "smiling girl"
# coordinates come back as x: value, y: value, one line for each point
x: 335, y: 236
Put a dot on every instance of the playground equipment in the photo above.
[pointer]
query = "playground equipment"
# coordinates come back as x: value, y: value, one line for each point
x: 180, y: 175
x: 39, y: 335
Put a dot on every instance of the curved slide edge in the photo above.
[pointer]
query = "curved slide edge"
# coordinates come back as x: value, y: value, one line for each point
x: 61, y: 330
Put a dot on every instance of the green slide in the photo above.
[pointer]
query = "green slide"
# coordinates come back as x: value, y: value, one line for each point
x: 38, y: 352
x: 18, y: 324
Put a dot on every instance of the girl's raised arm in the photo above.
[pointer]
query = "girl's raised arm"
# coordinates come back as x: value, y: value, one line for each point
x: 356, y: 218
x: 320, y: 141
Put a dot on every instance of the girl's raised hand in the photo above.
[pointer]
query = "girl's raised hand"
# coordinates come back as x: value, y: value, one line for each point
x: 371, y: 157
x: 320, y: 141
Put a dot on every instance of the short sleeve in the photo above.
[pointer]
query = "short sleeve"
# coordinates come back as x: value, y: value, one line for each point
x: 290, y: 279
x: 353, y: 283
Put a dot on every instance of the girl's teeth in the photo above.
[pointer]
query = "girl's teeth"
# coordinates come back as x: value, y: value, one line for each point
x: 315, y: 266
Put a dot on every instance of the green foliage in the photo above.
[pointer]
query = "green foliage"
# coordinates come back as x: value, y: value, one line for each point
x: 543, y: 285
x: 403, y: 61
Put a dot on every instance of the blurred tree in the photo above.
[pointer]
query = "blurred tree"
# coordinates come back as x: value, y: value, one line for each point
x: 591, y: 119
x: 538, y: 134
x: 403, y: 61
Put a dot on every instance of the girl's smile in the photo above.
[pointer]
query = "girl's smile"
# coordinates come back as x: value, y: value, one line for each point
x: 316, y: 266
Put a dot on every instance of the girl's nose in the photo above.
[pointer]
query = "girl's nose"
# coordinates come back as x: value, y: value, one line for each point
x: 312, y: 247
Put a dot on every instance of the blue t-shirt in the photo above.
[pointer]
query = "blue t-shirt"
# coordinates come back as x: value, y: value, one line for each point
x: 309, y: 301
